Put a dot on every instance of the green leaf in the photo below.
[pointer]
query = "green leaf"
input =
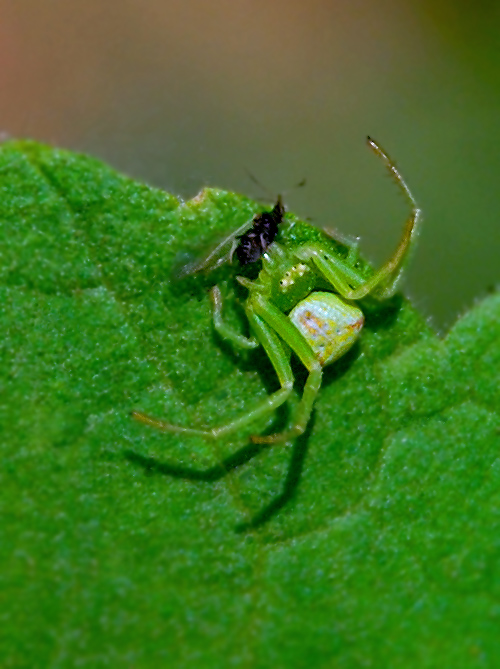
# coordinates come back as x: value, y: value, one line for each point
x: 372, y: 541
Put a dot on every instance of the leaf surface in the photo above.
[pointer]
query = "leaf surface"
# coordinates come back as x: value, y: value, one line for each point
x: 372, y: 542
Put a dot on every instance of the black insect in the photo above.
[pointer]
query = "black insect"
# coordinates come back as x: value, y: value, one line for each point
x: 261, y: 235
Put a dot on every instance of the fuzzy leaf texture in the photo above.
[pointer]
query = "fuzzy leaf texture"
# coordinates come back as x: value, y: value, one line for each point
x: 372, y: 541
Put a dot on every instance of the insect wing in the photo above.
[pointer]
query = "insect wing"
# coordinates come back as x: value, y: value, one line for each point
x: 221, y: 254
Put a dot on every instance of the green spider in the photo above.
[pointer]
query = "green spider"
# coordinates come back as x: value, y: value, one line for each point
x: 303, y: 300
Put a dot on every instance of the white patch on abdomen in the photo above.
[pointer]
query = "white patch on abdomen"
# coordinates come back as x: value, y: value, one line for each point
x: 329, y: 325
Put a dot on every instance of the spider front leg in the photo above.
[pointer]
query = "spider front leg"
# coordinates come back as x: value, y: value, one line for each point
x: 347, y: 281
x: 279, y: 359
x: 382, y: 284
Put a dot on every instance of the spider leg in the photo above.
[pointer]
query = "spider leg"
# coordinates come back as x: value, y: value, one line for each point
x: 281, y: 325
x: 382, y: 283
x: 346, y: 280
x: 279, y: 359
x: 225, y: 330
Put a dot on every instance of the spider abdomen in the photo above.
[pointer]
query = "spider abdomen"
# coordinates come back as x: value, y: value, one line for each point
x: 329, y: 324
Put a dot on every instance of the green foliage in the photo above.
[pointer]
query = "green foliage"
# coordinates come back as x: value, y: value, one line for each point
x: 372, y: 542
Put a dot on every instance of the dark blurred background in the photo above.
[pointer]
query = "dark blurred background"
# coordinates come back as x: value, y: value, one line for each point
x: 183, y: 94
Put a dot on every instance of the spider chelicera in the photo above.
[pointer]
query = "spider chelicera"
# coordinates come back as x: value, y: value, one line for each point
x: 304, y: 300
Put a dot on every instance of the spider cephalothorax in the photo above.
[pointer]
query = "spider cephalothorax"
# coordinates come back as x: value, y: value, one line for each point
x: 253, y: 243
x: 304, y: 300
